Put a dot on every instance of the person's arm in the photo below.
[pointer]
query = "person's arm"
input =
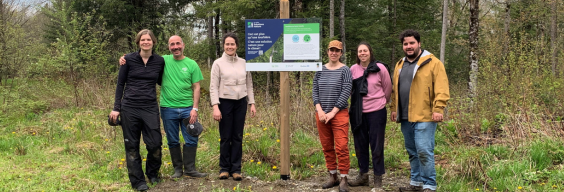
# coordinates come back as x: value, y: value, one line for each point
x: 393, y: 98
x: 194, y: 113
x: 250, y: 94
x: 161, y: 74
x: 122, y: 79
x: 315, y: 96
x: 214, y: 90
x: 441, y: 91
x: 386, y: 82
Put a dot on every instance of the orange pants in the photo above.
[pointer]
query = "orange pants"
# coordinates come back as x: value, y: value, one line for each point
x: 334, y: 138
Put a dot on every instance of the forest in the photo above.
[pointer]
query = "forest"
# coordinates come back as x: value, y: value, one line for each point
x: 503, y: 128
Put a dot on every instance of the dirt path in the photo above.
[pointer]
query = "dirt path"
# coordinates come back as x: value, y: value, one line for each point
x: 392, y: 181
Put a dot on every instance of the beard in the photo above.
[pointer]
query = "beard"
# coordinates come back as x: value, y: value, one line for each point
x: 416, y: 52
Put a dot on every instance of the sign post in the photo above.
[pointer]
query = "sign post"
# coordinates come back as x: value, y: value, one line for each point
x: 283, y: 45
x: 284, y: 108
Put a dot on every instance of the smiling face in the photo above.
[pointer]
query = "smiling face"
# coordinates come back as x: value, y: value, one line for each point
x: 363, y: 53
x: 334, y: 54
x: 176, y: 46
x: 229, y: 46
x: 146, y: 43
x: 411, y: 47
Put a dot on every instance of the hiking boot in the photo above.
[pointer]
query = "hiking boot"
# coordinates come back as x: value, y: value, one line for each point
x: 344, y: 187
x: 190, y: 162
x: 237, y: 177
x: 155, y: 180
x: 332, y: 182
x: 360, y: 180
x: 411, y: 188
x: 176, y: 157
x: 142, y: 187
x: 223, y: 175
x: 377, y: 181
x: 429, y: 190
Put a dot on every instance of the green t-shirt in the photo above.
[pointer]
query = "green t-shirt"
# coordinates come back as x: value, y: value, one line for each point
x: 178, y: 77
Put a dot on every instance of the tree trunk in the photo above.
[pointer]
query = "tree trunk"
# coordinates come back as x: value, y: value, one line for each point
x: 554, y: 38
x: 443, y: 34
x: 392, y: 15
x: 217, y: 38
x: 298, y: 6
x: 342, y: 24
x: 210, y: 39
x: 506, y: 23
x: 473, y: 41
x: 331, y: 19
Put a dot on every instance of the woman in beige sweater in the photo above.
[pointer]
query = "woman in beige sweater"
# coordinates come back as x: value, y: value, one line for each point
x: 231, y: 90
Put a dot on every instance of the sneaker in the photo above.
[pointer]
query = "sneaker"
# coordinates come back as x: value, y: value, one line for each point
x: 411, y: 188
x: 223, y: 175
x: 237, y: 177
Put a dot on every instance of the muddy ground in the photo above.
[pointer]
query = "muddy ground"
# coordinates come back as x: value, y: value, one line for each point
x: 391, y: 181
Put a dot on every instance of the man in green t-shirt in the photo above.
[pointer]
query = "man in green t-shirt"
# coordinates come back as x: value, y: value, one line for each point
x: 180, y: 96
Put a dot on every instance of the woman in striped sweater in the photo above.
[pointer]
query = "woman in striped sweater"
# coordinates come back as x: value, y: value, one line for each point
x: 331, y: 90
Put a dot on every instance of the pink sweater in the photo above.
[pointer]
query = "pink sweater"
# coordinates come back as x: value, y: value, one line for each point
x: 379, y: 88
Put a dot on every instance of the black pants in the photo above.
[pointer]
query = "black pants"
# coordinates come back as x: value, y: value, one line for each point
x: 371, y: 132
x: 231, y: 132
x: 137, y: 122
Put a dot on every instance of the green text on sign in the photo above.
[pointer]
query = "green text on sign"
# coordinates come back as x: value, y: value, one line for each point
x: 301, y: 28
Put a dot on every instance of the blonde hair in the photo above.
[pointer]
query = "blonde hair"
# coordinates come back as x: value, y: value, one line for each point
x: 145, y: 32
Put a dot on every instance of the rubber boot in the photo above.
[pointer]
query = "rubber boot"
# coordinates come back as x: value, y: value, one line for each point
x: 360, y: 180
x: 377, y: 181
x: 344, y: 186
x: 176, y: 157
x: 332, y: 182
x: 190, y: 163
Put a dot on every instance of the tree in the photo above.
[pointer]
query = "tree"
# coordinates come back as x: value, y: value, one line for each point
x: 554, y: 37
x: 342, y: 26
x: 331, y: 19
x: 473, y: 39
x: 443, y: 34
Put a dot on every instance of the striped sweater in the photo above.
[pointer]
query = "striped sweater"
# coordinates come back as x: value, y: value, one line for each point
x: 332, y: 88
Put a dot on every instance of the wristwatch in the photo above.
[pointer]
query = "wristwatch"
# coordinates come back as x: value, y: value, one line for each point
x: 195, y: 109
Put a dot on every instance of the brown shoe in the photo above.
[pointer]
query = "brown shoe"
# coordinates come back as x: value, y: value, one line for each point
x: 223, y: 175
x: 332, y: 182
x: 411, y: 188
x: 237, y: 176
x: 377, y: 181
x: 429, y: 190
x: 360, y: 180
x: 344, y: 187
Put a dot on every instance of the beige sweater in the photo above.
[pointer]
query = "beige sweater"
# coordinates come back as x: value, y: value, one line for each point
x: 230, y: 80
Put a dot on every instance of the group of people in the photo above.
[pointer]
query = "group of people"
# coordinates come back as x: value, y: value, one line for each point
x: 418, y: 96
x: 136, y: 107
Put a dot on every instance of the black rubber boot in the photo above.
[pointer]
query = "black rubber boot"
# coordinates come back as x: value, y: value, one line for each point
x: 190, y: 163
x: 176, y: 157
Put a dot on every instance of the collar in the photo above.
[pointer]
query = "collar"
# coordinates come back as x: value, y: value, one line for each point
x: 231, y: 59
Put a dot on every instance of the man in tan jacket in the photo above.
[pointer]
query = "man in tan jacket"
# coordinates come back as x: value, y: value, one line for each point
x: 419, y: 95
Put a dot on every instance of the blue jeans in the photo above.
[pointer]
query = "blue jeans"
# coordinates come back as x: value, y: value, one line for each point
x: 172, y: 120
x: 420, y: 145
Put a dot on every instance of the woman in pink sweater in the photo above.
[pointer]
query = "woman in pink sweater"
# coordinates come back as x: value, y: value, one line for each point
x: 372, y: 88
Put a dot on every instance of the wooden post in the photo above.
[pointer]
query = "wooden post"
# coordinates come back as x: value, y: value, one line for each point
x: 284, y: 108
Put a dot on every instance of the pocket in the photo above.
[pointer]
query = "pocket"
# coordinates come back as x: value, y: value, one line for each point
x: 229, y: 87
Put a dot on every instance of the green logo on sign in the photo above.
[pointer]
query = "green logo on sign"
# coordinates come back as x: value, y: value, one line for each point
x: 307, y: 38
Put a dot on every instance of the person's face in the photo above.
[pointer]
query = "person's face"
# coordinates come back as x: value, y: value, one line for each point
x: 411, y: 47
x: 229, y: 46
x: 334, y: 54
x: 176, y: 46
x: 146, y: 43
x: 363, y: 53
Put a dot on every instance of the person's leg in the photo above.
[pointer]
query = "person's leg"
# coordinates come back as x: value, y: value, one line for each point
x: 170, y: 118
x: 328, y: 145
x: 340, y: 128
x: 130, y: 123
x: 190, y: 146
x: 239, y: 113
x: 225, y: 133
x: 377, y: 125
x: 407, y: 128
x: 153, y: 141
x: 425, y: 144
x: 361, y: 141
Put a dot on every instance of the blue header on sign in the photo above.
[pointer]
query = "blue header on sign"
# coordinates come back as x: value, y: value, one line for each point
x: 261, y: 34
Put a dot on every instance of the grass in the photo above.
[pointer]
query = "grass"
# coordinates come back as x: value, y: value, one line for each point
x: 49, y: 144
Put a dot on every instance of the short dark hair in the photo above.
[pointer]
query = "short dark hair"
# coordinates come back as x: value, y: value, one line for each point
x: 410, y: 33
x: 232, y: 35
x: 372, y: 59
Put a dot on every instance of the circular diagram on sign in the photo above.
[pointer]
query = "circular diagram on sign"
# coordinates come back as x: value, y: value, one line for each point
x: 295, y: 38
x: 307, y: 38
